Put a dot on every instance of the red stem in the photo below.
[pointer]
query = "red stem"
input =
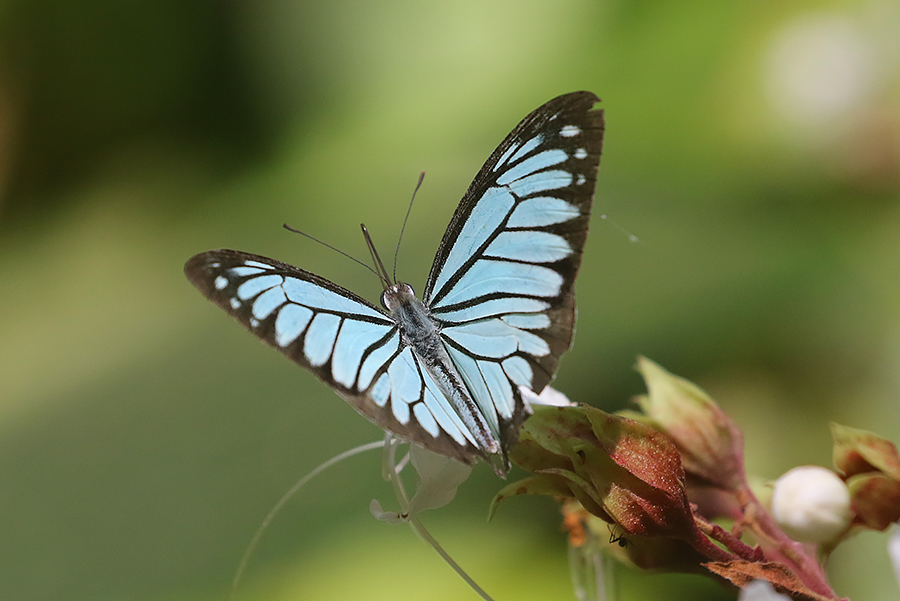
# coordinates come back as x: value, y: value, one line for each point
x: 731, y: 542
x: 777, y: 546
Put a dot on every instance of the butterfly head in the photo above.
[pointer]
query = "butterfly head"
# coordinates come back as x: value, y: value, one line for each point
x: 397, y: 295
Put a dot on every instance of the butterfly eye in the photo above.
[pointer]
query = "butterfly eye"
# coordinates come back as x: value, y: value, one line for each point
x: 384, y: 300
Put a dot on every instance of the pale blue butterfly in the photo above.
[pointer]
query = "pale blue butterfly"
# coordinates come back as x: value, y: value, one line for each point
x: 497, y: 312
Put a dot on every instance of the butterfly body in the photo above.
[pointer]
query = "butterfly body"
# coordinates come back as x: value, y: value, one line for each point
x: 421, y: 333
x: 497, y: 312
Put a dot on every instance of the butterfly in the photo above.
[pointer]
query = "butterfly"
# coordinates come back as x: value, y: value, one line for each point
x: 497, y: 311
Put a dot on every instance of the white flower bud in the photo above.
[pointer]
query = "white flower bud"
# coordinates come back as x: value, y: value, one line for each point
x: 548, y: 396
x: 760, y: 590
x: 894, y: 550
x: 811, y: 504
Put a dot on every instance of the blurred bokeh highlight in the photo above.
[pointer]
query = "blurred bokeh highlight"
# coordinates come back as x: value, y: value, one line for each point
x: 753, y: 150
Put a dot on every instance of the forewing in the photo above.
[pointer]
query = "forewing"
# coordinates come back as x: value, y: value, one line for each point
x: 347, y: 342
x: 502, y: 281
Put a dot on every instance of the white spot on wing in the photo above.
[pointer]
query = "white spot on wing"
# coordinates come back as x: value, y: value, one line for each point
x: 220, y: 282
x: 569, y: 131
x: 581, y: 153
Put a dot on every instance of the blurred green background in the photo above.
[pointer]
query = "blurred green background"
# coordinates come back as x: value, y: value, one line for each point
x: 752, y: 147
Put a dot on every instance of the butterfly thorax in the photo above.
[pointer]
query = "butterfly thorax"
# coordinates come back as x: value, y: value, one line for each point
x: 417, y: 327
x: 421, y: 332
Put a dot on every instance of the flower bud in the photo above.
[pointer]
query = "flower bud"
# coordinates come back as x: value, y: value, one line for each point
x: 811, y: 504
x: 710, y: 444
x: 619, y: 470
x: 871, y: 466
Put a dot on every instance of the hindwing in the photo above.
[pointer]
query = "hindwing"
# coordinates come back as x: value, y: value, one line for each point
x: 502, y: 282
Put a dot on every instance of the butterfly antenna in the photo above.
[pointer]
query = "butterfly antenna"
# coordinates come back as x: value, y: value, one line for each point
x: 382, y: 272
x: 405, y: 219
x: 337, y: 250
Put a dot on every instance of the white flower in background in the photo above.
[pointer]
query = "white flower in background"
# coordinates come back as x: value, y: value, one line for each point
x: 811, y: 504
x: 821, y: 67
x: 760, y: 590
x: 894, y: 550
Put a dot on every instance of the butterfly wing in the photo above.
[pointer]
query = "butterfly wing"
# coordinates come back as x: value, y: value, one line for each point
x: 502, y: 282
x: 347, y: 342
